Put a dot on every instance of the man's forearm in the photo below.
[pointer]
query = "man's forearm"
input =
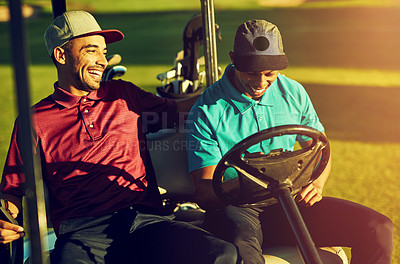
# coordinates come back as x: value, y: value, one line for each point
x: 206, y: 197
x: 320, y: 182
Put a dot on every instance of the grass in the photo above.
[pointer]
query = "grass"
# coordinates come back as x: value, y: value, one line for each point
x: 344, y: 52
x: 106, y: 6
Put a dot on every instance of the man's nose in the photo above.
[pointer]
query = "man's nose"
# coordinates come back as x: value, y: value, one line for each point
x: 102, y: 60
x: 262, y: 80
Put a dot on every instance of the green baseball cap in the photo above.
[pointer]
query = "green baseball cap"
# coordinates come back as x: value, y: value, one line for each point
x: 258, y: 47
x: 72, y: 24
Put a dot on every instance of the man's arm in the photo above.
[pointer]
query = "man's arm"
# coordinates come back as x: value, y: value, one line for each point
x: 313, y: 192
x: 203, y: 189
x: 8, y: 231
x: 183, y: 107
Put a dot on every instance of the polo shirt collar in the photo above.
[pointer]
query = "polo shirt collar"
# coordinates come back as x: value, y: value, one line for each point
x: 70, y: 100
x: 241, y: 101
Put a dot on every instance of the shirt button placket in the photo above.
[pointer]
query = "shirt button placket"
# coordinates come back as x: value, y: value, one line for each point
x: 261, y: 118
x: 86, y: 111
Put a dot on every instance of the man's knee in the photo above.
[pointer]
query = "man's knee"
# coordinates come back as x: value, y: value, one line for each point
x: 228, y: 255
x: 382, y: 228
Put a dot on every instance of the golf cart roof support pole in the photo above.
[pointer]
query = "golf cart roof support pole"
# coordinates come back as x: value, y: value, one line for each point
x: 33, y: 177
x: 304, y: 241
x: 210, y: 46
x: 59, y: 7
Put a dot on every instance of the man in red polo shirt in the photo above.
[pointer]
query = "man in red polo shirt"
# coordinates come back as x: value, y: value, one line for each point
x: 104, y: 202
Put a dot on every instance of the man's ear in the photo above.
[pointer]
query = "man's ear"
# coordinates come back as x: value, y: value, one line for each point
x: 231, y: 56
x: 59, y: 55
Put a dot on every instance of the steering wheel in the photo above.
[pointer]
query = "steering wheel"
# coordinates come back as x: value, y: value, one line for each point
x: 260, y: 176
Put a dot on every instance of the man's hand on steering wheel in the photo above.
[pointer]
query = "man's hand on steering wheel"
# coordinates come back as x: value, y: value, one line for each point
x: 309, y: 195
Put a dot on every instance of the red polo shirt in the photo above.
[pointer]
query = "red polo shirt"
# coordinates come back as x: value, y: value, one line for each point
x: 93, y: 150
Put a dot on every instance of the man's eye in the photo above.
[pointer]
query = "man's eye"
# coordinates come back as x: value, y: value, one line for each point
x: 252, y: 73
x: 270, y: 74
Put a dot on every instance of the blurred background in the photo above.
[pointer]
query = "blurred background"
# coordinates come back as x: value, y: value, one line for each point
x: 345, y: 53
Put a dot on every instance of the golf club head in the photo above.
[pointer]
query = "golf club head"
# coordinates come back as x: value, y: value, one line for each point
x: 113, y: 59
x: 113, y: 72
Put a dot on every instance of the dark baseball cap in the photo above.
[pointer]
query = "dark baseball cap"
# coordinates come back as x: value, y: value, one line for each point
x: 258, y: 47
x: 72, y: 24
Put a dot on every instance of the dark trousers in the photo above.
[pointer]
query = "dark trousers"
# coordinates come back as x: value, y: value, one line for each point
x: 132, y: 237
x: 331, y: 222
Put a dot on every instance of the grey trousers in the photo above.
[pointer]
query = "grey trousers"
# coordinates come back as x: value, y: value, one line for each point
x: 331, y: 222
x: 129, y: 236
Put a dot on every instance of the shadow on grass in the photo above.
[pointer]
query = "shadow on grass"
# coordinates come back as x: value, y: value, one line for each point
x: 340, y: 37
x: 366, y: 114
x: 362, y: 38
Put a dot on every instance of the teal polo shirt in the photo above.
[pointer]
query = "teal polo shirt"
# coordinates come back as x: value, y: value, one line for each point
x: 223, y: 116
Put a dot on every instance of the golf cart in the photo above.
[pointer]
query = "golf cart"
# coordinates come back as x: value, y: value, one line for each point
x: 172, y: 160
x: 268, y: 179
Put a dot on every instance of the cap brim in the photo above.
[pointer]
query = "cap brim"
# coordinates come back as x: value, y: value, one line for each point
x: 110, y: 35
x: 257, y: 63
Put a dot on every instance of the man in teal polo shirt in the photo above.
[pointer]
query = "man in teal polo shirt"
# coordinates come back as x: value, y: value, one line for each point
x: 252, y: 96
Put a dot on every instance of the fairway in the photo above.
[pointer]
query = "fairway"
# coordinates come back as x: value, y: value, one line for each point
x: 346, y: 56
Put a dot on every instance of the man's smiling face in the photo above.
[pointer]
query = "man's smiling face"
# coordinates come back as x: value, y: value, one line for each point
x: 255, y: 84
x: 86, y: 59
